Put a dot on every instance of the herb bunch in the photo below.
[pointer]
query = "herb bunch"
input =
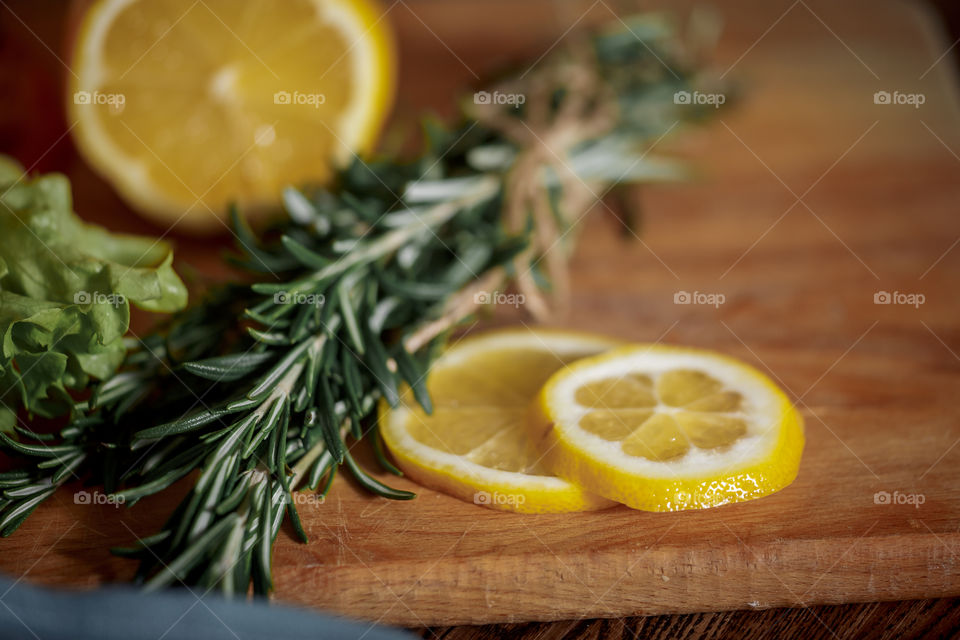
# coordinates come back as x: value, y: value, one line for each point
x: 264, y: 388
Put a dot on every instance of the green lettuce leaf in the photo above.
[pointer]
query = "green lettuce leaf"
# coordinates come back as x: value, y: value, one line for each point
x: 65, y: 291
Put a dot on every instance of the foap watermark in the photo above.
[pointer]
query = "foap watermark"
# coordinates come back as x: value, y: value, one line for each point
x: 297, y: 97
x: 497, y: 97
x: 898, y: 297
x: 301, y: 498
x: 699, y: 297
x: 116, y: 101
x: 96, y: 297
x: 497, y: 498
x: 885, y: 497
x: 294, y: 297
x: 898, y: 97
x: 498, y: 297
x: 699, y: 97
x: 96, y: 498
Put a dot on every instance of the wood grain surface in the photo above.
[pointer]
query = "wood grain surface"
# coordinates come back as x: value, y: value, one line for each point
x: 811, y: 200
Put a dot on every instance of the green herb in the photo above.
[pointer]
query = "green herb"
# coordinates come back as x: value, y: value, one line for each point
x: 265, y: 388
x: 65, y: 289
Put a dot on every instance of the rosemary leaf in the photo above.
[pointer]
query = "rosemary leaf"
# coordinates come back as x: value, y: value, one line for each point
x: 229, y: 367
x: 372, y: 484
x: 177, y: 570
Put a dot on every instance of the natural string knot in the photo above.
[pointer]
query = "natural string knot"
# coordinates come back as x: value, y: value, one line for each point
x: 566, y: 103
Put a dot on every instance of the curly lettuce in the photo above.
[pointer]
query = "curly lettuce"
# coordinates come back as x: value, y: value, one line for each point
x: 65, y: 293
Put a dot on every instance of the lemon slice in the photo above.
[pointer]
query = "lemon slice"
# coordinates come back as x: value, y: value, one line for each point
x: 476, y: 444
x: 188, y: 106
x: 664, y: 428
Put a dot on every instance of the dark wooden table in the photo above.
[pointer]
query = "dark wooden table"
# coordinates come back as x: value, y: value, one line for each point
x: 938, y: 618
x: 460, y: 40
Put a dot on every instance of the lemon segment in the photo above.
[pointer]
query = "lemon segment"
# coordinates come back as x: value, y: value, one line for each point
x: 663, y: 428
x: 629, y: 391
x: 476, y: 444
x: 187, y: 107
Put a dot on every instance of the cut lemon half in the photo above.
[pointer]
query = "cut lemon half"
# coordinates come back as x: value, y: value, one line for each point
x: 663, y: 428
x: 476, y: 444
x: 188, y: 106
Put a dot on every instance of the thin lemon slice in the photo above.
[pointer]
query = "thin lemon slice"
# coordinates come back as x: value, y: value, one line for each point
x: 189, y: 106
x: 665, y: 428
x: 476, y: 443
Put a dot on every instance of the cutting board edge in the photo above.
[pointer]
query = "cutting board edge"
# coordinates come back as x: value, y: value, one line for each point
x: 664, y: 579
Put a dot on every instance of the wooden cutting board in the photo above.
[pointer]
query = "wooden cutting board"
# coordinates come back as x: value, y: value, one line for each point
x: 812, y: 200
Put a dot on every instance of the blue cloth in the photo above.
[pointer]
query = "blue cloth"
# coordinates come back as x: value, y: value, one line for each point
x: 122, y: 613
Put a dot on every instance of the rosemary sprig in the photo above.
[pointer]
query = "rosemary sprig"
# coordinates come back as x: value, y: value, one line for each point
x: 265, y: 388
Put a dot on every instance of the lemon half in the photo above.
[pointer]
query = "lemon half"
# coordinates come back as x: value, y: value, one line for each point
x: 188, y: 106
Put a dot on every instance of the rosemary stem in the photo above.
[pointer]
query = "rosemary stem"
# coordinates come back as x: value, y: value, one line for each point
x: 395, y: 239
x: 461, y: 305
x: 303, y: 464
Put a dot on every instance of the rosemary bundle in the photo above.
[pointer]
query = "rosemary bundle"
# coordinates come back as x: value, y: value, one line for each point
x: 265, y: 388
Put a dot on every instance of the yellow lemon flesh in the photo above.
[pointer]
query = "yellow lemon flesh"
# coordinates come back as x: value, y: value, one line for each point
x: 664, y: 428
x: 188, y: 106
x: 476, y: 443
